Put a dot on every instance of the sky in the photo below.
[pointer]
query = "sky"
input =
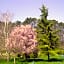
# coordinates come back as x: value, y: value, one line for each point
x: 22, y: 9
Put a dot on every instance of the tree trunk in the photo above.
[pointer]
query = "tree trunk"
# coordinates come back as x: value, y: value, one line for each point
x: 14, y: 61
x: 48, y: 56
x: 27, y: 56
x: 8, y: 57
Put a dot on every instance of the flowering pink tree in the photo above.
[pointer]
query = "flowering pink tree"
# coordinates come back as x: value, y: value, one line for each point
x: 22, y: 39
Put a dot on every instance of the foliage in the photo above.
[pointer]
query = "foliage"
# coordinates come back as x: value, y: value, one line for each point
x: 22, y: 39
x: 31, y: 21
x: 46, y: 35
x: 18, y: 22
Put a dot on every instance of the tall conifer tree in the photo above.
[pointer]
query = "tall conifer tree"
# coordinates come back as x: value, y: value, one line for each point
x: 46, y: 35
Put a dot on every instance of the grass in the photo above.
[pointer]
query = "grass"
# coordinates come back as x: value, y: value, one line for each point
x: 53, y: 60
x: 32, y: 62
x: 39, y: 62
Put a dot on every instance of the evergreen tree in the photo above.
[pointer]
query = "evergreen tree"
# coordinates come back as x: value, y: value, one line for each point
x: 46, y: 35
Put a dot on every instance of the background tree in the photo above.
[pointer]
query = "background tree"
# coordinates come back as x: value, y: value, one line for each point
x: 5, y: 18
x: 31, y: 21
x: 18, y: 23
x: 22, y: 39
x: 46, y: 35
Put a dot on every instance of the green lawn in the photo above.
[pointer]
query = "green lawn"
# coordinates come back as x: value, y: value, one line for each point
x: 57, y: 60
x: 39, y: 62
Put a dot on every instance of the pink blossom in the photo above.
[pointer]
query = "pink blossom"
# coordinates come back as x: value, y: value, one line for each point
x: 22, y: 39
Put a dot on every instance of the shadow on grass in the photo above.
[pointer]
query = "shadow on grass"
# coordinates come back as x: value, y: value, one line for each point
x: 55, y: 60
x: 37, y: 60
